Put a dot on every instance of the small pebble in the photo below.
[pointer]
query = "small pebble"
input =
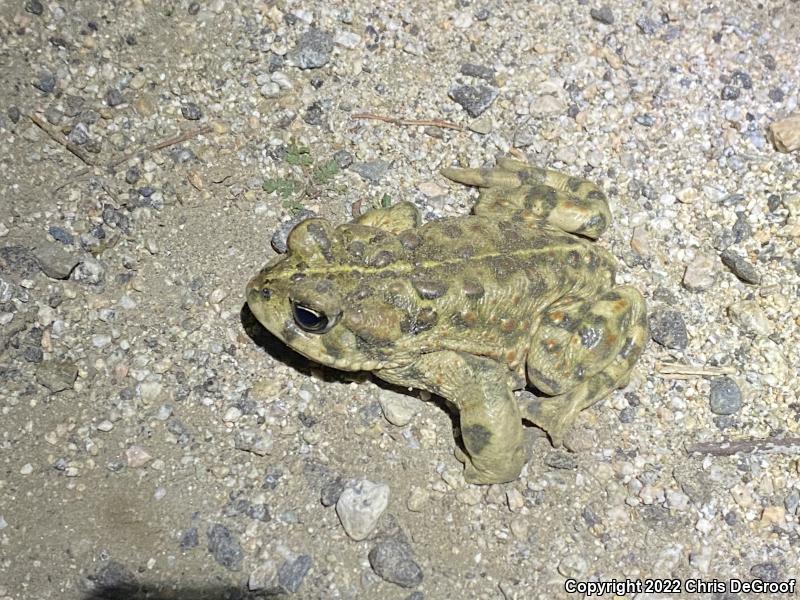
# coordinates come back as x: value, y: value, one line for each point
x: 224, y: 547
x: 393, y: 561
x: 474, y: 99
x: 602, y: 15
x: 740, y: 267
x: 360, y: 506
x: 725, y: 398
x: 668, y: 328
x: 191, y: 111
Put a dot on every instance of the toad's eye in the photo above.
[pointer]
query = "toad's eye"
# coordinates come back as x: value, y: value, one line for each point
x: 266, y: 294
x: 313, y: 321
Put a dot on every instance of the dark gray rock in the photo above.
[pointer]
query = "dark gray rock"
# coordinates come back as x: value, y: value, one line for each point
x: 224, y: 547
x: 343, y: 159
x: 114, y: 97
x: 191, y: 111
x: 372, y: 171
x: 313, y: 49
x: 34, y: 7
x: 56, y: 375
x: 189, y: 539
x: 765, y: 571
x: 60, y: 234
x: 742, y: 79
x: 558, y: 459
x: 646, y: 25
x: 776, y: 95
x: 741, y: 228
x: 740, y: 267
x: 331, y: 491
x: 603, y: 15
x: 18, y: 260
x: 115, y: 578
x: 725, y: 397
x: 292, y: 572
x: 79, y: 134
x: 393, y: 561
x: 474, y: 99
x: 314, y: 114
x: 645, y: 120
x: 55, y: 261
x: 14, y: 114
x: 668, y: 328
x: 730, y: 92
x: 46, y: 82
x: 479, y: 71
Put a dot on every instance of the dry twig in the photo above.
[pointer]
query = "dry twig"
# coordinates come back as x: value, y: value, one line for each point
x: 61, y: 140
x: 682, y: 371
x: 750, y: 446
x: 409, y: 122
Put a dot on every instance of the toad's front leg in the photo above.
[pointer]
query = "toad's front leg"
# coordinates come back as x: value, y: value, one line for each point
x: 490, y: 422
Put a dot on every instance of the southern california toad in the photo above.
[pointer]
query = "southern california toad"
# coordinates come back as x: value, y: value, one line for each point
x: 466, y: 307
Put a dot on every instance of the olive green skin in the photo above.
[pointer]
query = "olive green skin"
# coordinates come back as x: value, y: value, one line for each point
x: 468, y: 307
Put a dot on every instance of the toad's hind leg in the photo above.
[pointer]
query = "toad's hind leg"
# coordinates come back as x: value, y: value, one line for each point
x: 489, y: 417
x: 572, y: 204
x: 581, y: 352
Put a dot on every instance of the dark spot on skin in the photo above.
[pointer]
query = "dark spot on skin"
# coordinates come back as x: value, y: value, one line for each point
x: 297, y: 277
x: 381, y: 259
x: 423, y: 321
x: 596, y: 195
x: 592, y: 262
x: 378, y: 237
x: 320, y: 237
x: 323, y: 286
x: 331, y: 349
x: 611, y: 297
x: 541, y: 199
x: 524, y: 177
x: 574, y: 183
x: 580, y: 372
x: 594, y: 224
x: 465, y: 252
x: 573, y: 258
x: 429, y: 289
x: 362, y: 292
x: 452, y: 231
x: 502, y: 267
x: 590, y: 337
x: 476, y: 437
x: 410, y: 240
x: 473, y: 289
x: 536, y: 285
x: 507, y: 325
x: 356, y: 248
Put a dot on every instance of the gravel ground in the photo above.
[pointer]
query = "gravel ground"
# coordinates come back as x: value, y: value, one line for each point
x: 154, y: 440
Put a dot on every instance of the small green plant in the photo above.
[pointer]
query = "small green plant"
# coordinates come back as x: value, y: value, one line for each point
x: 324, y: 172
x: 284, y: 186
x: 386, y: 201
x: 311, y: 179
x: 299, y: 156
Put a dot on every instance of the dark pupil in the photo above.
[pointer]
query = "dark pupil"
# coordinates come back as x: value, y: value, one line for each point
x: 265, y: 293
x: 308, y: 319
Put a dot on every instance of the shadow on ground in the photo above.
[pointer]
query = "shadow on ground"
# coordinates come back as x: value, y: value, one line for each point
x: 125, y: 592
